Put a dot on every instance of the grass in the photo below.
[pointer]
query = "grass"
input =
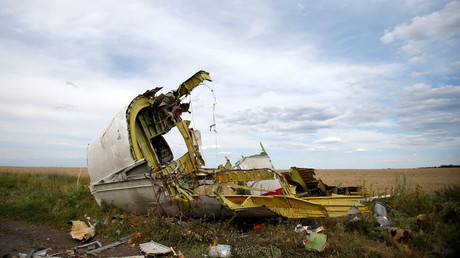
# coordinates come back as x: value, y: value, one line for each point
x: 50, y: 200
x: 53, y: 200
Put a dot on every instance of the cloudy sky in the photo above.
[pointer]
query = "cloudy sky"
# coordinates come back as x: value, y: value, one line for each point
x: 323, y: 84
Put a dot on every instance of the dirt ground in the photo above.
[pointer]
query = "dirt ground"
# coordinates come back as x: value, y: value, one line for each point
x: 21, y: 237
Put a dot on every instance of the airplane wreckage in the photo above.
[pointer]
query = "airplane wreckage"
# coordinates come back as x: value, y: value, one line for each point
x: 132, y: 166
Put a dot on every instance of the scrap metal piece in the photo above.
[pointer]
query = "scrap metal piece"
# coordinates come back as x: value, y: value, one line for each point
x: 153, y: 248
x: 44, y: 253
x: 354, y: 210
x: 100, y: 249
x: 88, y: 246
x: 380, y: 215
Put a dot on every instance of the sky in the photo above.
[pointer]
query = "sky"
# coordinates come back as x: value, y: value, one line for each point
x: 322, y: 84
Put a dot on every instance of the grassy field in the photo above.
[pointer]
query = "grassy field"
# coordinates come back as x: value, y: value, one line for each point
x: 69, y: 171
x: 52, y: 198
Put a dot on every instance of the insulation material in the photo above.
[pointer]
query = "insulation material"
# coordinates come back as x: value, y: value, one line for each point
x: 153, y: 248
x: 81, y: 231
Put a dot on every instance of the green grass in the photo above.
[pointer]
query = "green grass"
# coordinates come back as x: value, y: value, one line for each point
x: 54, y: 200
x: 49, y: 200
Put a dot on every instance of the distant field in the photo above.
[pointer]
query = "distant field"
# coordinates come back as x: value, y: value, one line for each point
x: 383, y: 180
x: 375, y: 180
x: 70, y: 171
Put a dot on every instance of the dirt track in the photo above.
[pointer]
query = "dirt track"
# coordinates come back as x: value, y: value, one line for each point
x: 21, y: 237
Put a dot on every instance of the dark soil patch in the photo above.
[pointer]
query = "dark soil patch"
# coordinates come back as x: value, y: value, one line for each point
x: 21, y: 237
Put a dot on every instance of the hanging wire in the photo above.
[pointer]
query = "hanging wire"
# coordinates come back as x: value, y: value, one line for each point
x: 213, y: 127
x: 158, y: 203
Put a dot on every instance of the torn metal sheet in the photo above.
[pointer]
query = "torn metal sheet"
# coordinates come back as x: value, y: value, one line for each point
x: 354, y: 210
x: 132, y: 166
x: 88, y: 246
x: 102, y: 248
x: 381, y: 215
x: 259, y: 161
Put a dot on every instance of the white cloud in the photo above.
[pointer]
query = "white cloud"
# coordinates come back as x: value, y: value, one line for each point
x: 416, y: 59
x: 422, y: 30
x: 418, y: 74
x: 300, y: 146
x: 329, y: 140
x: 357, y: 150
x: 425, y: 108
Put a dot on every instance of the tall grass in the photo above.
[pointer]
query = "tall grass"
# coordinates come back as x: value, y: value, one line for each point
x: 433, y: 219
x: 51, y: 200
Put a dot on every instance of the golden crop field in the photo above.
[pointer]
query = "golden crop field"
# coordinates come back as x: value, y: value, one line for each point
x: 375, y: 180
x: 70, y: 171
x: 384, y: 180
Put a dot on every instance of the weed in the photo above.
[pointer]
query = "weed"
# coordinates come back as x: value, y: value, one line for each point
x: 54, y: 200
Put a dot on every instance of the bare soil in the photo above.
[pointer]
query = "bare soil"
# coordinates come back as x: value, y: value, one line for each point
x: 21, y: 237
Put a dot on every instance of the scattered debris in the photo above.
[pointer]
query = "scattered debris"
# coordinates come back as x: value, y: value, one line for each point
x: 153, y: 248
x: 354, y: 210
x: 394, y: 234
x: 316, y: 242
x: 100, y: 249
x: 81, y: 231
x: 88, y: 246
x: 257, y: 227
x: 299, y: 228
x: 397, y: 235
x: 48, y: 252
x: 380, y: 215
x: 370, y: 199
x: 220, y: 251
x: 355, y: 219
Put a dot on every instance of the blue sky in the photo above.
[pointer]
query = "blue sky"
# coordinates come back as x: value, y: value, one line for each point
x: 323, y: 84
